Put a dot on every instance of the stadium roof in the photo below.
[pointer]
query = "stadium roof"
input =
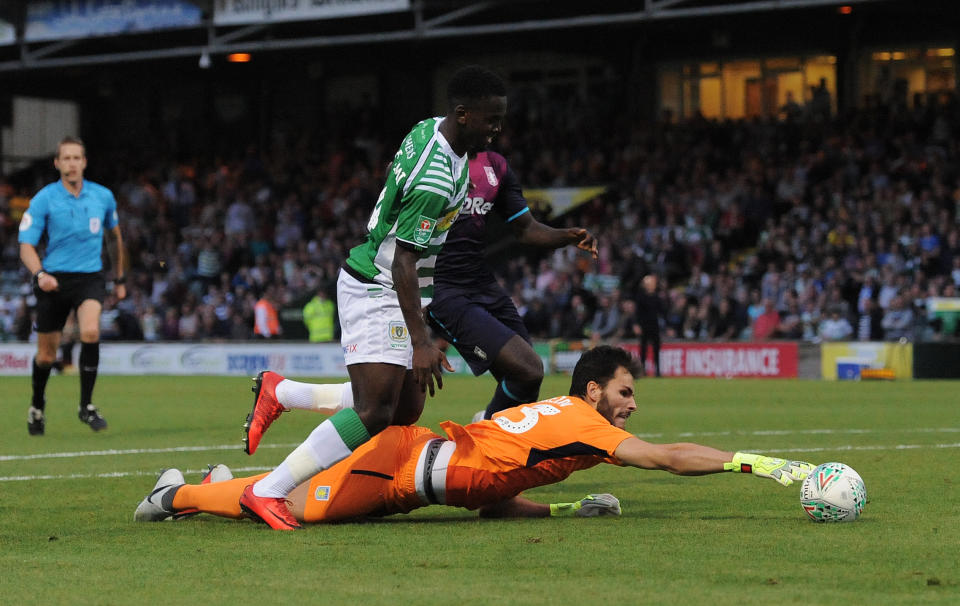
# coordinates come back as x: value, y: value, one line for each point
x: 426, y: 19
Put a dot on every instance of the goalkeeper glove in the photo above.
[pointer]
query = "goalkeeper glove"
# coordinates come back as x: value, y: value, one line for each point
x: 783, y: 471
x: 589, y: 506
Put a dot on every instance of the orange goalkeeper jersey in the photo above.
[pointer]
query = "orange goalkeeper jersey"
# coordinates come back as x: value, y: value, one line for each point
x: 526, y: 446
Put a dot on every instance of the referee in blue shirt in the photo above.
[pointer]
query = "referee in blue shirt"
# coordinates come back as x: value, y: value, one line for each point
x: 72, y: 214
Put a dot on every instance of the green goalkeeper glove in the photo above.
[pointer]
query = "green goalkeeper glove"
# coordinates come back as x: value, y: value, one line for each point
x: 589, y: 506
x: 783, y: 471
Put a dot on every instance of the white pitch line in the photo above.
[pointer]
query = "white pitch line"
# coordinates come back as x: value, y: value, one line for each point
x: 124, y: 474
x: 103, y: 453
x: 119, y: 474
x: 873, y: 447
x: 761, y: 432
x: 788, y: 432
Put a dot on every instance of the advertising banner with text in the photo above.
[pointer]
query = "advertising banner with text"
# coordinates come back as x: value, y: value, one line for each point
x: 292, y: 359
x: 720, y: 360
x: 53, y: 20
x: 241, y: 12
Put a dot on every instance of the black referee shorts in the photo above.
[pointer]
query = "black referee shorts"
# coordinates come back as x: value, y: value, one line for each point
x: 75, y: 288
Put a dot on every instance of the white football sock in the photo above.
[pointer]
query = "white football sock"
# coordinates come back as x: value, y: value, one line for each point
x: 327, y: 398
x: 322, y: 448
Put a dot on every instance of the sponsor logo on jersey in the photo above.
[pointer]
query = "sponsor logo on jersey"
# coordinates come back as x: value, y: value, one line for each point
x: 491, y: 176
x: 94, y: 225
x: 447, y: 220
x: 322, y: 493
x: 408, y: 148
x: 425, y: 225
x: 26, y: 222
x: 476, y: 206
x: 349, y: 349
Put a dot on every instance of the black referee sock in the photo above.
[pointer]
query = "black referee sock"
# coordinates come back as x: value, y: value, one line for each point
x: 40, y: 376
x: 89, y: 362
x: 512, y: 393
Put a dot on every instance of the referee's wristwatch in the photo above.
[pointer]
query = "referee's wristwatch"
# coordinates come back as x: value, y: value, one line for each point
x: 36, y: 277
x: 120, y: 280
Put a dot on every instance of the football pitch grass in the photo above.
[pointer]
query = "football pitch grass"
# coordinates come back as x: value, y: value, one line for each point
x: 67, y: 501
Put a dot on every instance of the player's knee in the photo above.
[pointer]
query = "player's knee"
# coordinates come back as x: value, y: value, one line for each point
x: 375, y: 419
x: 45, y: 359
x: 527, y: 371
x: 407, y: 413
x: 90, y: 335
x: 521, y: 391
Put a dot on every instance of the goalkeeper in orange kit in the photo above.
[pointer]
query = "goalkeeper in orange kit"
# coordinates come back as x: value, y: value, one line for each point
x: 485, y: 465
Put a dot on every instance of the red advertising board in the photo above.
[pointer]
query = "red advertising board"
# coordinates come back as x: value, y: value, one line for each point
x: 726, y: 360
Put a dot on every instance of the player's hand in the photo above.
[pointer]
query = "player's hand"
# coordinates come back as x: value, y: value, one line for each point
x: 120, y: 290
x: 428, y: 364
x: 783, y: 471
x: 590, y: 506
x: 585, y: 240
x: 47, y: 282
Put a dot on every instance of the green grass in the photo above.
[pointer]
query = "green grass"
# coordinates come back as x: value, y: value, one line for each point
x: 724, y: 539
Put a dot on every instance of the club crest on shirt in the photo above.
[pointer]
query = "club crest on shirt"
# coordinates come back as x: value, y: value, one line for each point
x: 491, y: 176
x: 94, y: 225
x: 322, y: 493
x: 398, y: 335
x: 421, y: 235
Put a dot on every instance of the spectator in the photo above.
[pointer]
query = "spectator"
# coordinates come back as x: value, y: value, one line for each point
x: 765, y: 326
x: 266, y: 321
x: 605, y: 318
x: 319, y: 317
x: 898, y: 320
x: 835, y: 327
x: 649, y: 315
x: 870, y: 322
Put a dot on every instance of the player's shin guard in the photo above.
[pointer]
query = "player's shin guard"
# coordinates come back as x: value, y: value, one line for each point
x: 40, y: 376
x: 89, y: 363
x: 512, y: 393
x: 331, y: 442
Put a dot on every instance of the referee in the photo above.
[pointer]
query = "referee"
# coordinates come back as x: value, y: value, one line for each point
x: 73, y: 215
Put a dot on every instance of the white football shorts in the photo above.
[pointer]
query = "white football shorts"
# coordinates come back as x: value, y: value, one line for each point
x: 371, y: 324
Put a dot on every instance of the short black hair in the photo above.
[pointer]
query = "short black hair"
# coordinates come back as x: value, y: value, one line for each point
x: 472, y: 83
x: 70, y: 140
x: 600, y: 364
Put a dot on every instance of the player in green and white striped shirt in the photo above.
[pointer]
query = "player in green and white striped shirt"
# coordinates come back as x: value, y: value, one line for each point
x: 391, y: 359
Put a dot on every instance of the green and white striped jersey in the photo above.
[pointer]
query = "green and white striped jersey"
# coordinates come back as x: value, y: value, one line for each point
x: 425, y: 189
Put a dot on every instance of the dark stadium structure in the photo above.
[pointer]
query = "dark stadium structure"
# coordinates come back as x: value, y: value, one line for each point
x: 796, y: 152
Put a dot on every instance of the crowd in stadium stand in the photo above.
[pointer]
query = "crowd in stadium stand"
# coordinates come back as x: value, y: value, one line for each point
x: 795, y: 227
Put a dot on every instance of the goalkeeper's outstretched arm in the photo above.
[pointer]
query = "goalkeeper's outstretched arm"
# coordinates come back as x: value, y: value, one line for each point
x: 689, y: 459
x: 592, y: 505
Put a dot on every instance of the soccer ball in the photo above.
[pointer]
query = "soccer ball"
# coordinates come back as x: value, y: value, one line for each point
x: 833, y: 492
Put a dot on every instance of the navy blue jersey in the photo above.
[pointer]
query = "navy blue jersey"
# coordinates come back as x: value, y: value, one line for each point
x: 494, y: 187
x: 74, y: 225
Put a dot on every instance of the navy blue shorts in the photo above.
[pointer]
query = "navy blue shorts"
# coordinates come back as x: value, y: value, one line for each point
x: 75, y: 288
x: 477, y: 323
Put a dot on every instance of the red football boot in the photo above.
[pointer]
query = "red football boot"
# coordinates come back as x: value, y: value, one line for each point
x: 271, y: 511
x: 265, y: 411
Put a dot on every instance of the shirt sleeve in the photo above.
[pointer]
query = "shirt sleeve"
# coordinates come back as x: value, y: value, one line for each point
x: 510, y: 202
x: 110, y: 219
x: 418, y: 217
x: 34, y: 221
x: 602, y: 435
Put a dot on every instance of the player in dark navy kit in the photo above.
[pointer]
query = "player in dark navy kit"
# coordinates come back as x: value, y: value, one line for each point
x: 72, y: 214
x: 469, y: 308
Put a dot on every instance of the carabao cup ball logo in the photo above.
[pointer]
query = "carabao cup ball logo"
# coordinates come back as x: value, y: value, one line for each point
x: 421, y: 235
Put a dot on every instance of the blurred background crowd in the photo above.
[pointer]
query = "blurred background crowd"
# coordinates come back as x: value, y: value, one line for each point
x: 802, y: 226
